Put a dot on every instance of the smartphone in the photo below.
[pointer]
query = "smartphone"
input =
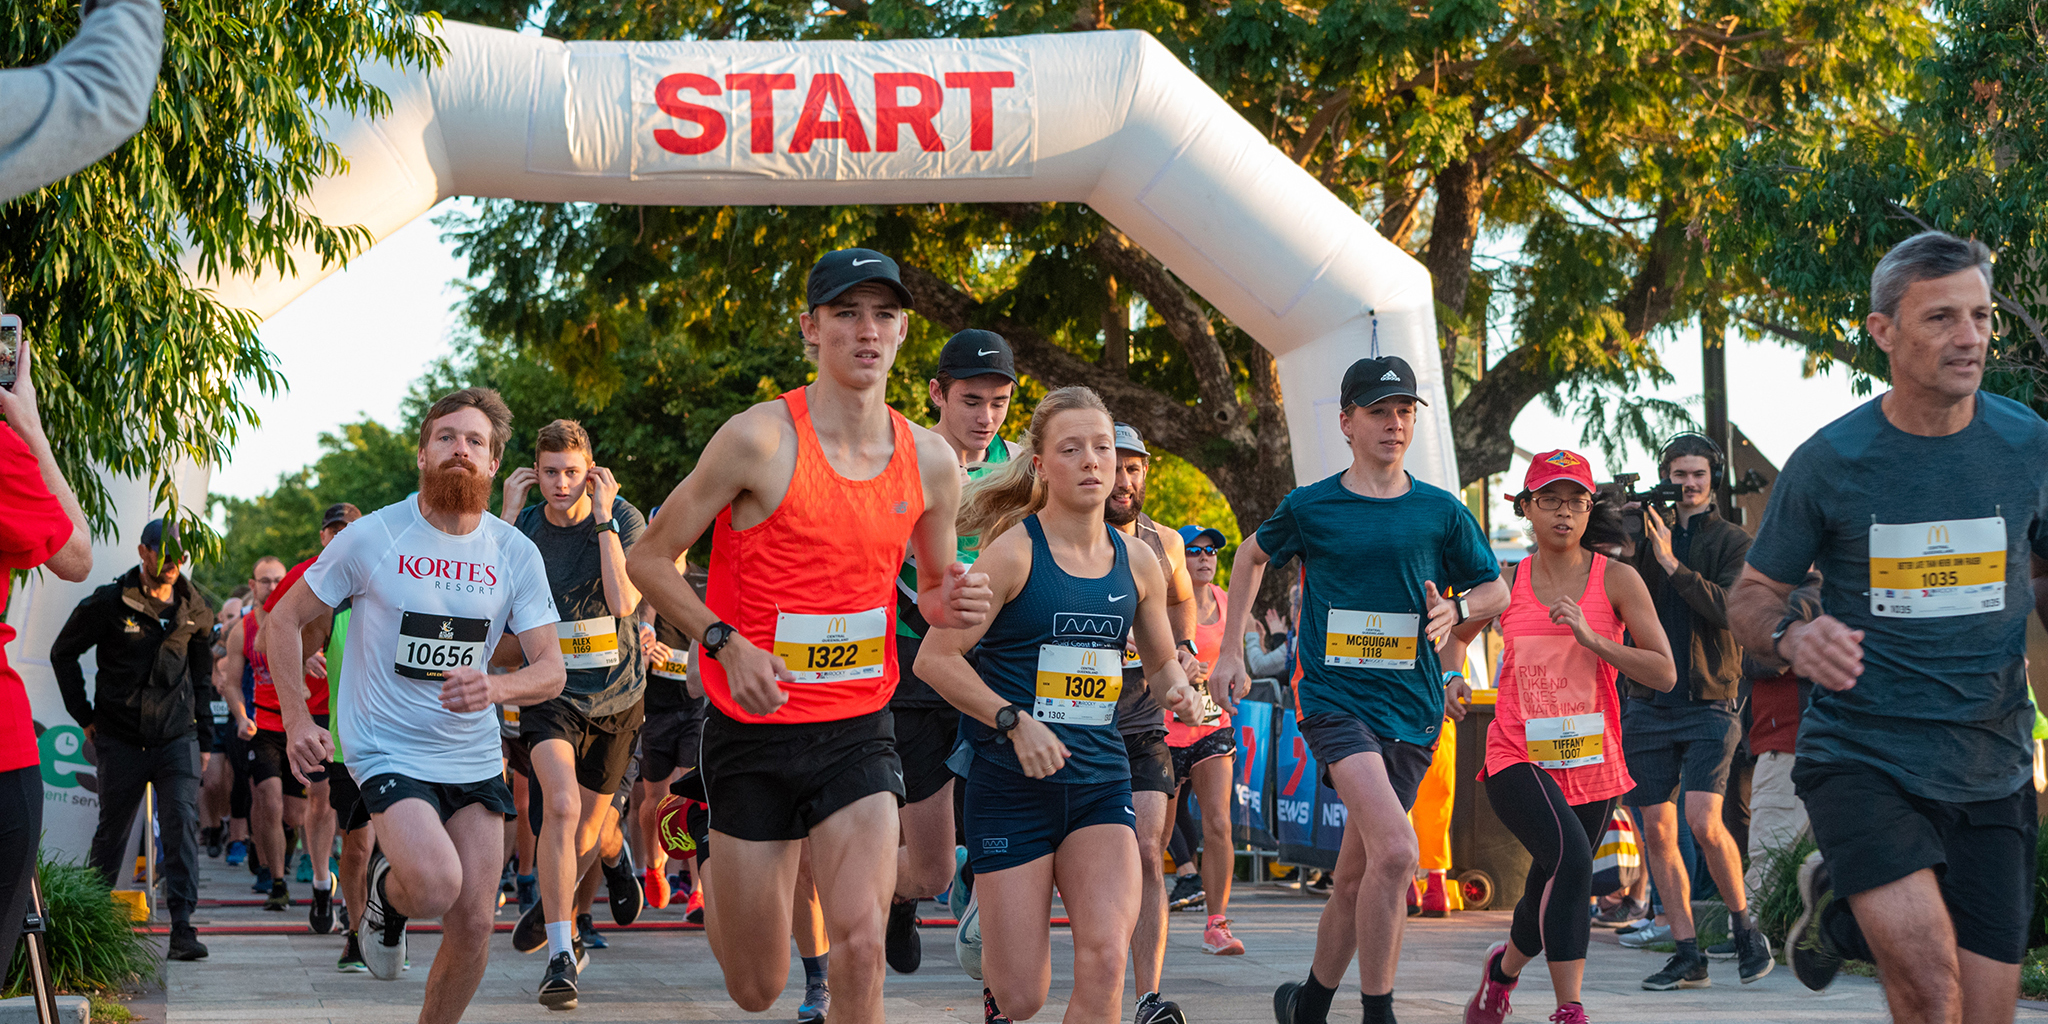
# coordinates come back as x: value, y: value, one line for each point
x: 10, y: 348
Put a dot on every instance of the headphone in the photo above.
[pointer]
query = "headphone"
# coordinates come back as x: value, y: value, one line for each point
x: 1717, y: 461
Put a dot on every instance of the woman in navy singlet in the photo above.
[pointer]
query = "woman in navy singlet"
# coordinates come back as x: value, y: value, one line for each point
x: 1048, y: 796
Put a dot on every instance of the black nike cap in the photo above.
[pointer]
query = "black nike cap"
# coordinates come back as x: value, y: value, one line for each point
x: 1375, y: 380
x: 835, y: 272
x: 977, y: 353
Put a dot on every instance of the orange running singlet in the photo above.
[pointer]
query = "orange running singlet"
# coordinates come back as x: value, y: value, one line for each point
x: 815, y: 582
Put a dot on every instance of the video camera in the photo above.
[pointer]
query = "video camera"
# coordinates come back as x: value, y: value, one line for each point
x: 1658, y: 499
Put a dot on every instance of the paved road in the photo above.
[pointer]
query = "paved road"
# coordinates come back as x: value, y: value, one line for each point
x: 670, y: 976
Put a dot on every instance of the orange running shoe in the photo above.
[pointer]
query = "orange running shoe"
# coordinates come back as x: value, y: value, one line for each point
x: 656, y: 885
x: 1218, y: 940
x: 693, y: 911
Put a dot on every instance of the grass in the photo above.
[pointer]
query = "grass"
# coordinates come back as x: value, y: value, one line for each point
x: 94, y: 948
x: 109, y: 1010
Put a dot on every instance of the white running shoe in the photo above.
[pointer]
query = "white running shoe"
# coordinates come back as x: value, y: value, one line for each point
x: 967, y: 939
x: 382, y: 929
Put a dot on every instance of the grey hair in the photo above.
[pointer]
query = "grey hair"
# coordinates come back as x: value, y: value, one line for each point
x: 1923, y: 257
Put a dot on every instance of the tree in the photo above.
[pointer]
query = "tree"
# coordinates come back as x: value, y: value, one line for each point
x: 366, y: 464
x: 1968, y: 155
x: 138, y: 368
x: 1586, y: 136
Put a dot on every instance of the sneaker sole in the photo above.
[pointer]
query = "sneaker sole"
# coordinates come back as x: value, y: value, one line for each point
x: 1283, y: 1002
x: 355, y: 967
x: 1751, y: 979
x: 1702, y: 983
x: 534, y: 941
x: 1234, y: 949
x: 1722, y: 957
x: 559, y: 999
x: 1814, y: 969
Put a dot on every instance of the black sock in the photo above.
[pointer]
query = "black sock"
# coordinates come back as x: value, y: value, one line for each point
x: 1312, y: 1003
x: 1689, y: 948
x: 814, y: 969
x: 1493, y: 970
x: 1378, y: 1009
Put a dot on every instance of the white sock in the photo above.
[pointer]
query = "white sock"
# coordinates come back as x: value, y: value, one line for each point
x: 324, y: 885
x: 560, y: 935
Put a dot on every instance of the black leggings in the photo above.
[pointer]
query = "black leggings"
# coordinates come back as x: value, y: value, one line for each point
x: 1528, y: 801
x: 21, y: 829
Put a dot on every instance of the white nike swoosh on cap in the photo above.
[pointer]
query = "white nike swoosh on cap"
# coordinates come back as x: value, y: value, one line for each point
x: 863, y: 263
x: 990, y: 352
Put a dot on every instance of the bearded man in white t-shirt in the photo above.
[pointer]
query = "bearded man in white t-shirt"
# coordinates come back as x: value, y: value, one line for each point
x: 435, y: 583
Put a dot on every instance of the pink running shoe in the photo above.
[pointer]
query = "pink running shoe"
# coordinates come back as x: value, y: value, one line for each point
x: 1218, y: 940
x: 1569, y: 1013
x: 1489, y: 1005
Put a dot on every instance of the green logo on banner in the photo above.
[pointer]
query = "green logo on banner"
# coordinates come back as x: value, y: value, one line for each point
x: 63, y: 756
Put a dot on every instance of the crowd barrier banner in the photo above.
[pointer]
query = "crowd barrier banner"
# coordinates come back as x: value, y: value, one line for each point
x: 1254, y: 725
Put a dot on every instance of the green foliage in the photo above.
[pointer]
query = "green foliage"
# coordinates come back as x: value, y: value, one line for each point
x: 137, y: 369
x: 93, y: 945
x: 1967, y: 152
x: 1777, y: 902
x: 1177, y: 494
x: 366, y: 464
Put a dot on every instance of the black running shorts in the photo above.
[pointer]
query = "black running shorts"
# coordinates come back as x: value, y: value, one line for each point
x: 1221, y: 743
x: 1873, y: 832
x: 1333, y: 737
x: 601, y: 746
x: 268, y: 761
x: 924, y: 739
x: 1014, y: 819
x: 1151, y: 763
x: 775, y: 782
x: 345, y: 798
x: 381, y: 792
x: 669, y: 741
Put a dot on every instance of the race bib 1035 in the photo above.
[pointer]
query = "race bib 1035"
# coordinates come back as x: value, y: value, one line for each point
x: 1938, y: 569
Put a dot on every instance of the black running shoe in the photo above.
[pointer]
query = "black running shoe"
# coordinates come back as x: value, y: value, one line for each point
x: 213, y: 841
x: 558, y: 985
x: 321, y: 917
x: 1154, y: 1010
x: 1813, y: 957
x: 530, y: 935
x: 622, y: 886
x: 185, y: 944
x: 1753, y: 952
x: 1680, y: 971
x: 280, y: 898
x: 1187, y: 892
x: 990, y: 1012
x: 900, y: 943
x: 1283, y: 1002
x: 586, y: 934
x: 351, y: 961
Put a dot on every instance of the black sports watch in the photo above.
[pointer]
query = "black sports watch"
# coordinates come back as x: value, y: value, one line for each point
x: 609, y: 525
x: 716, y: 636
x: 1006, y: 720
x: 1464, y: 607
x: 1778, y: 635
x: 1189, y: 646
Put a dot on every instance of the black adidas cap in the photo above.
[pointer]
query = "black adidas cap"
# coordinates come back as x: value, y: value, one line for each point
x: 1372, y: 380
x: 977, y: 353
x: 835, y: 272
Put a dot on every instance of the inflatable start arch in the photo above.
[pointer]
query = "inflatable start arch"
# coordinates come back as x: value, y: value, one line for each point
x: 1110, y: 119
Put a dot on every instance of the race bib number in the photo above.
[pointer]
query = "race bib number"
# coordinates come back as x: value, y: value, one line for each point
x: 676, y: 669
x: 1567, y: 741
x: 1131, y: 659
x: 510, y: 713
x: 430, y: 645
x: 1077, y: 685
x: 1937, y: 570
x: 220, y: 712
x: 589, y: 643
x: 832, y: 648
x: 1371, y: 639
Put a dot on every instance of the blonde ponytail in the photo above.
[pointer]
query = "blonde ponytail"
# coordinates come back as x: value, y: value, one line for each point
x: 991, y: 505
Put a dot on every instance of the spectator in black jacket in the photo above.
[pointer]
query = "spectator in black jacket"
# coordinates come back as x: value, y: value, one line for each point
x: 153, y: 632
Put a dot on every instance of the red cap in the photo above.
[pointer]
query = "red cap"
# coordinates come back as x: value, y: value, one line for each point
x: 1552, y: 466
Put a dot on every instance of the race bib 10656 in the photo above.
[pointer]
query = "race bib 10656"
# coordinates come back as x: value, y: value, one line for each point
x: 1938, y: 569
x: 1371, y: 639
x: 429, y: 645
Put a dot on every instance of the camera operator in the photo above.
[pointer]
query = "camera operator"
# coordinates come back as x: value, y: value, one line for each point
x: 1684, y: 740
x: 40, y: 525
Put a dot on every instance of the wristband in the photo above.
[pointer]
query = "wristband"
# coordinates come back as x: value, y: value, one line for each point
x: 1450, y: 675
x: 608, y: 526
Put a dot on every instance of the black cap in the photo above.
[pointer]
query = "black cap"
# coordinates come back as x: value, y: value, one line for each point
x: 835, y: 272
x: 1370, y: 380
x: 340, y: 512
x: 977, y: 353
x: 1129, y: 440
x: 153, y: 534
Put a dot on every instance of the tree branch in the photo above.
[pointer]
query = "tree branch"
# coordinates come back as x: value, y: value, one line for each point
x: 2004, y: 301
x: 1325, y: 116
x: 1185, y: 320
x: 1620, y: 227
x: 1836, y: 349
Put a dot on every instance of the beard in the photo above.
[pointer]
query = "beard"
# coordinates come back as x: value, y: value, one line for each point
x: 455, y: 487
x: 1127, y: 514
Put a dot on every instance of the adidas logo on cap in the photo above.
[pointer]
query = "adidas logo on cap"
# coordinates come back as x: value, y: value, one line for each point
x: 1390, y: 375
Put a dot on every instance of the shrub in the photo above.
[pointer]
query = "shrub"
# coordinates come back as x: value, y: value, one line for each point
x: 93, y: 945
x: 1777, y: 903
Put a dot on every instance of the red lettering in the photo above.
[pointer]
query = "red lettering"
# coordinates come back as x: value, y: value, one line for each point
x: 981, y: 87
x: 443, y: 568
x: 1300, y: 762
x: 889, y: 115
x: 760, y: 90
x: 491, y: 575
x: 810, y: 126
x: 710, y: 123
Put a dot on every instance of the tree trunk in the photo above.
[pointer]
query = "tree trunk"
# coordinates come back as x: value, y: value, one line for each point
x: 1453, y: 232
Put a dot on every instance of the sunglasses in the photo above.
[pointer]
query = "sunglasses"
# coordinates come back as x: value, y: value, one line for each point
x: 1202, y: 549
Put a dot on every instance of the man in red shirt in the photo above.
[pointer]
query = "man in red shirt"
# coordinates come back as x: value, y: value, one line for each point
x: 40, y: 525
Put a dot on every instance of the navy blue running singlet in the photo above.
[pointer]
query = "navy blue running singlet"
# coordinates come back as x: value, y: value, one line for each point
x: 1057, y: 648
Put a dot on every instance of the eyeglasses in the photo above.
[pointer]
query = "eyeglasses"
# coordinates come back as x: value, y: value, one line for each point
x: 1553, y: 502
x: 1202, y: 549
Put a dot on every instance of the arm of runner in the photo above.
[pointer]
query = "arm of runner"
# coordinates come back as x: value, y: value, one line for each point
x: 739, y: 449
x: 2037, y: 568
x: 313, y: 637
x: 1228, y: 680
x: 620, y: 595
x: 693, y: 679
x: 1154, y: 636
x: 942, y: 660
x: 470, y: 688
x: 517, y: 483
x: 72, y: 561
x: 227, y: 680
x: 950, y: 594
x: 1647, y: 657
x: 1822, y: 649
x: 307, y: 746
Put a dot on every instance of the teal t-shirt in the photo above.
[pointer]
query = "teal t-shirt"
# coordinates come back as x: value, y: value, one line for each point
x: 1364, y: 562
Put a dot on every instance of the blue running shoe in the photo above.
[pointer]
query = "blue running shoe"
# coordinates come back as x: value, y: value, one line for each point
x: 238, y: 851
x: 262, y: 883
x: 817, y: 1003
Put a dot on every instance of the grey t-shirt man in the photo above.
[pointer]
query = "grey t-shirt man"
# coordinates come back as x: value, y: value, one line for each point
x: 576, y: 577
x: 1924, y: 545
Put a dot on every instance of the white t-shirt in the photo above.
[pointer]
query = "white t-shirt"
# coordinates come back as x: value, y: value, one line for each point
x: 425, y: 602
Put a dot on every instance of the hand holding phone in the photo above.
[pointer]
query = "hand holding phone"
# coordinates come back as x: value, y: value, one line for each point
x: 10, y: 349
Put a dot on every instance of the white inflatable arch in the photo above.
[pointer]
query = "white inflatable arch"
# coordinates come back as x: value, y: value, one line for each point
x: 1110, y: 119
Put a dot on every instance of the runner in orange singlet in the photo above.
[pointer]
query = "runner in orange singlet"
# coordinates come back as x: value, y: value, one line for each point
x: 812, y: 500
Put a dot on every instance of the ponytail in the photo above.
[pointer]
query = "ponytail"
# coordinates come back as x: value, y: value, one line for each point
x: 991, y: 505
